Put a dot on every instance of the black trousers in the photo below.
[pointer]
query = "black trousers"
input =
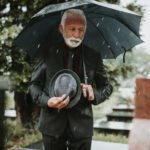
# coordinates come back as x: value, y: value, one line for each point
x: 66, y: 142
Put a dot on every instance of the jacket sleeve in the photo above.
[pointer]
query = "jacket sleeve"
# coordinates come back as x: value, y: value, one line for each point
x: 102, y: 87
x: 36, y: 87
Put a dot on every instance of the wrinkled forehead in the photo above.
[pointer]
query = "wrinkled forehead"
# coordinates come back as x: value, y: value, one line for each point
x: 75, y: 19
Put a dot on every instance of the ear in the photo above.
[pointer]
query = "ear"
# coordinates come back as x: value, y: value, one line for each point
x: 60, y: 28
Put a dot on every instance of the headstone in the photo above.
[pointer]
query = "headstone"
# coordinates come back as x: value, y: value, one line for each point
x: 142, y: 99
x: 139, y: 138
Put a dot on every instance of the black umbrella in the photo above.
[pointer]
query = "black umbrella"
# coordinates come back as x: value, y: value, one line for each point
x: 110, y: 29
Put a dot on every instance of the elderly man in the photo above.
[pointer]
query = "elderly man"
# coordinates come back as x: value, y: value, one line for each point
x: 70, y: 128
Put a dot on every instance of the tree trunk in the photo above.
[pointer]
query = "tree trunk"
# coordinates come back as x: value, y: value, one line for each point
x: 27, y: 111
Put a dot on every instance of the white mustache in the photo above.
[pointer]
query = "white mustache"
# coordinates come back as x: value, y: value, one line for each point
x: 76, y: 40
x: 73, y: 42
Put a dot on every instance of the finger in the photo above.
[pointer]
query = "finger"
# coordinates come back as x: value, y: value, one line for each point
x: 84, y: 90
x: 91, y: 94
x: 63, y: 103
x: 63, y: 97
x: 82, y: 84
x: 56, y: 102
x: 66, y: 101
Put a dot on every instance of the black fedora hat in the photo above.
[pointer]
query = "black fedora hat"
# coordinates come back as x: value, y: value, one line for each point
x: 66, y: 82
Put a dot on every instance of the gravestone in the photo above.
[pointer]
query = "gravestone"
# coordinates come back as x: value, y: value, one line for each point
x: 139, y: 138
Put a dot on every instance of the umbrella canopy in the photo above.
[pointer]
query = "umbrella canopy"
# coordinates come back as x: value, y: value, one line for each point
x: 111, y: 30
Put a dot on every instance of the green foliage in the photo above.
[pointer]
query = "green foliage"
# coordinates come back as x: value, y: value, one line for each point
x: 14, y: 16
x: 117, y: 69
x: 136, y: 8
x: 116, y: 138
x: 18, y: 136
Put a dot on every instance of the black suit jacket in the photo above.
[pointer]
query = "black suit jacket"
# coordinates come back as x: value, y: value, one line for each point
x: 80, y: 117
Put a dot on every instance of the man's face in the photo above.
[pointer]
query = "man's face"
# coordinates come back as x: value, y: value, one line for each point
x: 73, y: 31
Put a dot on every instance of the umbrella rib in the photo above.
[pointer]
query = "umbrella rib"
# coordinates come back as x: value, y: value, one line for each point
x: 103, y: 37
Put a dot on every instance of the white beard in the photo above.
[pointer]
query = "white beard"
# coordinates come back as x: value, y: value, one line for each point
x: 72, y: 42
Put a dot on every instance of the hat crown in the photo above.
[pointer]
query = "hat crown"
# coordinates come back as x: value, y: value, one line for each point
x: 65, y: 84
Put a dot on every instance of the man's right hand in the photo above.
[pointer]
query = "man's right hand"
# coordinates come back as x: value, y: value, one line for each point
x: 58, y: 102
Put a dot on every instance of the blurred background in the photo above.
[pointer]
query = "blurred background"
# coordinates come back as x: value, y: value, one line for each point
x: 19, y: 116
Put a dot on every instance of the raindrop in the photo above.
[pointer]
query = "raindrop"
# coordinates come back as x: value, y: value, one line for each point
x: 67, y: 142
x: 116, y: 43
x: 74, y: 128
x: 103, y: 42
x: 102, y: 18
x: 38, y: 46
x: 34, y: 33
x: 118, y: 29
x: 57, y: 51
x: 108, y: 46
x: 105, y: 56
x: 57, y: 136
x: 87, y: 112
x: 72, y: 55
x: 97, y: 24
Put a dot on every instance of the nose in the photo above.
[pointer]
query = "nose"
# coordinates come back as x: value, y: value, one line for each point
x: 77, y: 34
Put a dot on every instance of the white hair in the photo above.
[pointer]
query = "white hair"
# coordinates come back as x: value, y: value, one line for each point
x: 73, y: 11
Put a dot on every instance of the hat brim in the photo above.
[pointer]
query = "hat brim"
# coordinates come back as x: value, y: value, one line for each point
x: 77, y: 97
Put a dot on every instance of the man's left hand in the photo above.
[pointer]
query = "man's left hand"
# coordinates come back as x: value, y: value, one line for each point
x: 88, y: 91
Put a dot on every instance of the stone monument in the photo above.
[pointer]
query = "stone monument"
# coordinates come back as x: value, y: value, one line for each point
x: 139, y: 138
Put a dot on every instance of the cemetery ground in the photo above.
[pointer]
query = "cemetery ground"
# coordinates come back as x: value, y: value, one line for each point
x: 19, y: 136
